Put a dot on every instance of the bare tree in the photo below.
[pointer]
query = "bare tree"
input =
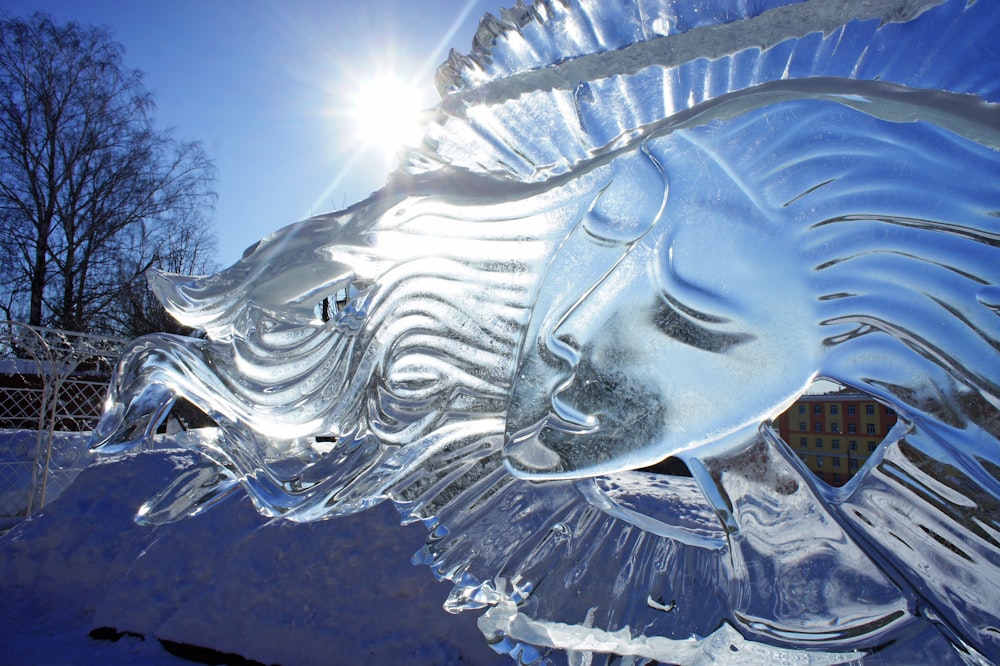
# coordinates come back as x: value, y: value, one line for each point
x: 84, y: 175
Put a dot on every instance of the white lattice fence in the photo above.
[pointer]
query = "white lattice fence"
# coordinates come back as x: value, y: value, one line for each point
x: 52, y: 384
x: 20, y: 407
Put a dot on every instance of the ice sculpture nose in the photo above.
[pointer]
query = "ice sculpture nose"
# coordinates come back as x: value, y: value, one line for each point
x: 565, y: 345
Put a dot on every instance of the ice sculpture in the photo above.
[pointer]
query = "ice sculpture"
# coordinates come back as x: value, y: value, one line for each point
x: 636, y: 232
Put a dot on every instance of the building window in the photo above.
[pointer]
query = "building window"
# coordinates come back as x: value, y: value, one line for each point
x: 836, y: 479
x: 870, y: 410
x: 802, y: 409
x: 889, y: 411
x: 835, y: 444
x: 817, y: 409
x: 819, y: 442
x: 803, y: 441
x: 817, y: 427
x: 872, y: 446
x: 836, y: 461
x: 835, y: 427
x: 819, y: 461
x: 852, y: 410
x: 834, y: 409
x: 802, y: 425
x: 853, y: 464
x: 852, y: 427
x: 870, y: 428
x: 854, y: 445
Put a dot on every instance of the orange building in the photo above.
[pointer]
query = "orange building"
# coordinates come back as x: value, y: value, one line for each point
x: 834, y: 433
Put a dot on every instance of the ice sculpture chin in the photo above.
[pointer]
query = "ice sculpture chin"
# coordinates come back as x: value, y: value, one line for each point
x: 636, y: 235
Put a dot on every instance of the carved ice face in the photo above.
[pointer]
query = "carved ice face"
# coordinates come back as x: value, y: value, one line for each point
x: 698, y: 331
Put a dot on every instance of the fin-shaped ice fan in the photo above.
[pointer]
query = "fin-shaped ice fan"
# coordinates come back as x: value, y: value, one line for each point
x: 635, y: 232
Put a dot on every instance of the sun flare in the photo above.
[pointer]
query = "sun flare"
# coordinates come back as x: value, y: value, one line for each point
x: 386, y: 112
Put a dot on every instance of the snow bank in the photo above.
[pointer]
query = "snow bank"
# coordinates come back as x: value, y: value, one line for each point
x: 339, y: 591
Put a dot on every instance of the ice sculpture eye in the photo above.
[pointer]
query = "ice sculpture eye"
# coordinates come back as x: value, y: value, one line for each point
x: 633, y: 235
x: 681, y: 324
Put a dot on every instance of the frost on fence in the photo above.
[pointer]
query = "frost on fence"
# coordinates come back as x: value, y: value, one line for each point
x: 634, y: 234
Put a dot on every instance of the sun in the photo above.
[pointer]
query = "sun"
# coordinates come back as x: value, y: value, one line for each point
x: 386, y: 113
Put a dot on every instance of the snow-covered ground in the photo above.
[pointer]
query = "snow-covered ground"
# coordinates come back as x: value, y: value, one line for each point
x: 340, y: 591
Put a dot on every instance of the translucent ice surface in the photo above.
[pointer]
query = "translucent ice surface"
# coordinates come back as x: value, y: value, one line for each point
x: 634, y: 234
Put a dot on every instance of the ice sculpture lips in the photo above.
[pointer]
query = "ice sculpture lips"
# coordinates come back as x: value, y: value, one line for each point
x: 527, y: 449
x: 570, y: 420
x: 583, y: 433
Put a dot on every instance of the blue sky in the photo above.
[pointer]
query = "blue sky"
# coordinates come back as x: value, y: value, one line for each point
x: 266, y: 87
